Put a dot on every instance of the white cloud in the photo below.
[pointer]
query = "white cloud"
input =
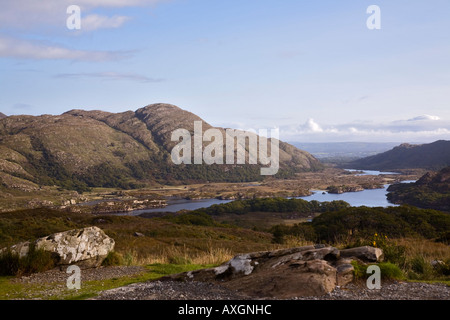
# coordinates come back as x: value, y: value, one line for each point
x: 39, y: 50
x: 94, y: 22
x: 30, y: 14
x: 422, y: 129
x: 425, y: 117
x: 311, y: 126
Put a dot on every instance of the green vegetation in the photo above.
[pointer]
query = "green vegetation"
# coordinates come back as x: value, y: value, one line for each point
x: 37, y: 260
x: 388, y: 271
x: 80, y: 150
x: 431, y: 156
x: 349, y: 225
x: 10, y: 289
x: 273, y: 205
x: 163, y: 241
x: 408, y: 236
x: 432, y: 191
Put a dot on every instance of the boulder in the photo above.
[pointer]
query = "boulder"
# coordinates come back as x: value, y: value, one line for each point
x: 365, y: 254
x: 287, y: 273
x: 86, y: 247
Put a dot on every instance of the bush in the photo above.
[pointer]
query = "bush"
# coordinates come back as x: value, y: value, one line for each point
x: 389, y: 271
x: 113, y: 259
x: 37, y: 260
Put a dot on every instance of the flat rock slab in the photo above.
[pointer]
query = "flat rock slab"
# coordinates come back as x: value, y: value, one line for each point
x: 295, y: 272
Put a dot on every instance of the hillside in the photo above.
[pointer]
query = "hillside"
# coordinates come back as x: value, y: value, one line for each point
x: 81, y: 149
x: 432, y: 156
x: 2, y: 115
x: 432, y: 191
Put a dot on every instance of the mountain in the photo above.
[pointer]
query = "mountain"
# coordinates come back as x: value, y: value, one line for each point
x: 431, y: 191
x: 2, y: 115
x: 432, y: 156
x: 81, y: 149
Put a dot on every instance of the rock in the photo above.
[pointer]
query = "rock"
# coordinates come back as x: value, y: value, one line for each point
x: 287, y: 273
x: 86, y: 247
x: 138, y: 234
x: 365, y: 254
x: 344, y: 274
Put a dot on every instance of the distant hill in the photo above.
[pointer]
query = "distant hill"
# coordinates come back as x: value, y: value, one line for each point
x: 322, y: 150
x: 2, y: 115
x: 431, y: 191
x: 432, y: 156
x: 81, y: 149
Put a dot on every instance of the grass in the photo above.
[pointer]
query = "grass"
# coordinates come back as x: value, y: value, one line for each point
x: 388, y: 271
x: 37, y: 260
x: 9, y: 289
x: 168, y: 248
x: 179, y: 255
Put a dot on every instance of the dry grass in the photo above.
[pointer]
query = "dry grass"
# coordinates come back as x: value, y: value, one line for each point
x: 427, y: 249
x: 173, y: 254
x: 292, y: 242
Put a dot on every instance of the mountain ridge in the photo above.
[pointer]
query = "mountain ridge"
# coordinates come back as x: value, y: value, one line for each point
x: 431, y: 156
x: 80, y: 149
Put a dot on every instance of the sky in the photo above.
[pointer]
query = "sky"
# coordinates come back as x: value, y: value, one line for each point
x: 312, y: 68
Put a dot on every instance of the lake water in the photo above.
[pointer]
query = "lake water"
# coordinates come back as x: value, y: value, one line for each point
x: 369, y: 172
x: 174, y: 205
x: 368, y: 197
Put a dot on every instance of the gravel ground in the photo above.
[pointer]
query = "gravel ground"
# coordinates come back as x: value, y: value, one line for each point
x: 170, y: 290
x: 53, y: 283
x: 60, y: 276
x: 389, y: 291
x: 173, y: 290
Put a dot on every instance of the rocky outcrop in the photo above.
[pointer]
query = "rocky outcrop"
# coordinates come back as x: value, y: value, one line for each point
x: 366, y: 253
x: 296, y: 272
x: 86, y: 247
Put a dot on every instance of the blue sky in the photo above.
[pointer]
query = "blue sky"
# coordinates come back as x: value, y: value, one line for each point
x: 311, y: 68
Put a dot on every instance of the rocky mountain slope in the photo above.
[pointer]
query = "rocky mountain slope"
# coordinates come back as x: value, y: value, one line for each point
x: 2, y: 115
x: 81, y: 149
x: 432, y: 156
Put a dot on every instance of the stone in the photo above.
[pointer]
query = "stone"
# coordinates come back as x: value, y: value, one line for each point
x: 286, y: 273
x: 138, y: 234
x: 344, y: 274
x: 86, y: 247
x: 365, y: 254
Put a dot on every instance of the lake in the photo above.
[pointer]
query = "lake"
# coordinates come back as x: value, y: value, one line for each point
x: 368, y: 197
x: 174, y: 205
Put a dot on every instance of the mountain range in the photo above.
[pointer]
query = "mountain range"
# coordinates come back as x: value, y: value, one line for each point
x: 431, y: 156
x: 81, y: 149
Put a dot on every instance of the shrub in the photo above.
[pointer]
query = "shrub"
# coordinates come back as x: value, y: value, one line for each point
x: 389, y: 271
x: 37, y: 260
x: 113, y: 259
